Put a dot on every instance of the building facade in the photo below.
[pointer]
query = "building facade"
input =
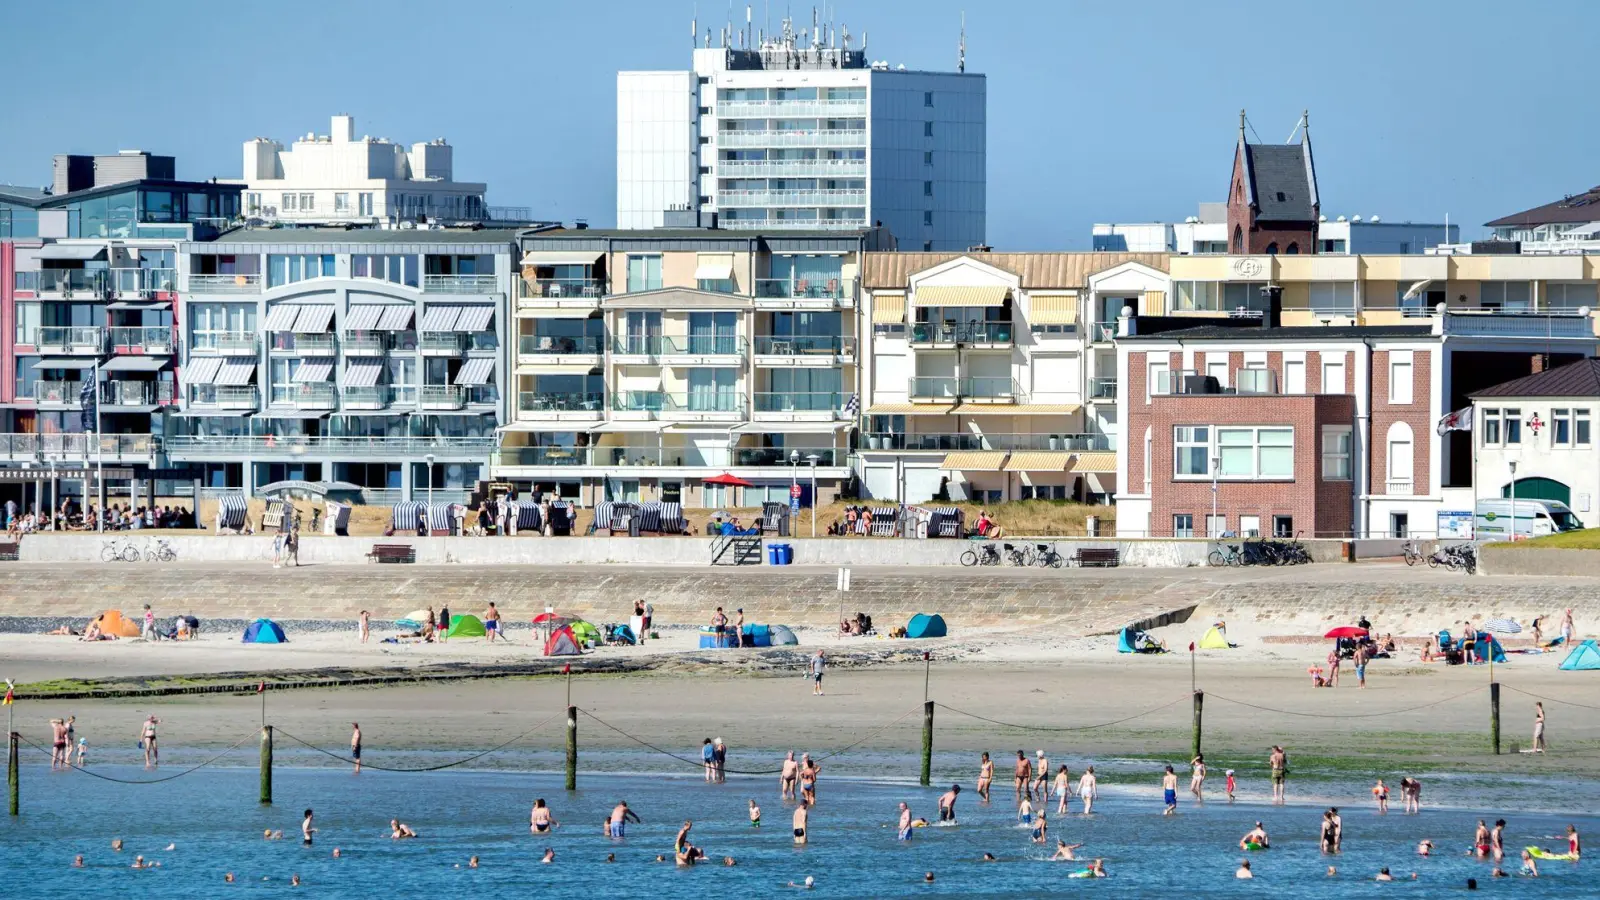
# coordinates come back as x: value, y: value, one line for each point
x: 798, y: 135
x: 1535, y: 438
x: 370, y: 357
x: 647, y: 361
x: 992, y: 376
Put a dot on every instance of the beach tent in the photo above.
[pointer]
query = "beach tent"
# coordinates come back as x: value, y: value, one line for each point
x: 1214, y: 640
x: 782, y: 636
x: 465, y: 626
x: 584, y: 632
x: 1487, y: 645
x: 264, y: 631
x: 923, y: 625
x: 114, y: 622
x: 1134, y: 640
x: 1584, y: 656
x: 561, y: 643
x: 413, y: 619
x: 756, y: 636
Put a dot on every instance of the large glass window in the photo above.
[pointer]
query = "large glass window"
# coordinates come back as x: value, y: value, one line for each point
x: 644, y: 273
x: 393, y: 268
x: 714, y: 390
x: 29, y: 318
x: 1336, y: 445
x: 1510, y: 296
x: 713, y: 332
x: 283, y: 379
x: 1243, y: 453
x: 1513, y: 426
x: 289, y: 268
x: 1191, y: 451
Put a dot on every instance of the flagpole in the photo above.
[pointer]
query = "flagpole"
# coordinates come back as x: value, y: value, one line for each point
x: 99, y: 457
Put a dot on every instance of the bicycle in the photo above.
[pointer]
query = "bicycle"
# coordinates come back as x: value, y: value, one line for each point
x: 986, y: 555
x: 110, y: 551
x: 161, y: 552
x: 1233, y: 556
x: 1019, y: 556
x: 1411, y: 553
x: 1046, y: 556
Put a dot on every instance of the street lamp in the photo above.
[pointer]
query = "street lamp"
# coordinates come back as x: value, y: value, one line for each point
x: 429, y: 458
x: 812, y: 458
x: 1216, y: 469
x: 1513, y: 465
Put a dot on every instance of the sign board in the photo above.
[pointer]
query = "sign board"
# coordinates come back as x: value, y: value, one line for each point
x: 794, y: 490
x: 1456, y: 524
x: 794, y: 505
x: 40, y: 473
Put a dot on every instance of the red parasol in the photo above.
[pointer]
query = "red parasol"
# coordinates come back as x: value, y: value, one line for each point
x: 730, y: 480
x: 542, y: 618
x: 1346, y: 631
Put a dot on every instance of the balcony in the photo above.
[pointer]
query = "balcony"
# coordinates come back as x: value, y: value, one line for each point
x: 721, y: 405
x: 374, y: 396
x: 765, y: 457
x: 692, y: 347
x: 233, y: 447
x: 821, y: 138
x: 983, y: 389
x: 87, y: 284
x: 1102, y: 389
x: 831, y: 288
x: 992, y: 334
x: 366, y: 343
x: 935, y: 388
x: 586, y: 345
x: 71, y: 340
x: 1518, y: 325
x: 152, y: 339
x: 819, y: 197
x: 830, y: 404
x: 481, y: 342
x: 302, y: 344
x: 87, y: 448
x: 224, y: 396
x: 442, y: 396
x: 791, y: 109
x: 130, y: 283
x: 1103, y: 332
x: 945, y: 442
x: 238, y: 283
x: 1255, y: 381
x: 585, y: 404
x: 313, y: 396
x: 460, y: 284
x: 1172, y: 382
x: 783, y: 224
x: 792, y: 168
x: 136, y: 393
x: 58, y: 394
x: 230, y: 343
x: 826, y: 349
x: 541, y: 456
x: 441, y: 343
x: 543, y: 293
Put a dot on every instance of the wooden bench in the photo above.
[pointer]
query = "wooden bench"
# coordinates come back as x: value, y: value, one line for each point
x: 392, y: 553
x: 1104, y: 557
x: 8, y: 551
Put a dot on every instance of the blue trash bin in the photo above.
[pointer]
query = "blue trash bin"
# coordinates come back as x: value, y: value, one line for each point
x: 774, y: 555
x: 786, y: 554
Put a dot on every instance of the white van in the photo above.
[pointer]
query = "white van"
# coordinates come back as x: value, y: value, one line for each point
x: 1533, y: 518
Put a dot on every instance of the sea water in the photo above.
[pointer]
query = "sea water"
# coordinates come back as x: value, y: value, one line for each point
x: 216, y: 823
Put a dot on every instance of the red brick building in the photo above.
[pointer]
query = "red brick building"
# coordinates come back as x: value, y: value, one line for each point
x: 1272, y: 197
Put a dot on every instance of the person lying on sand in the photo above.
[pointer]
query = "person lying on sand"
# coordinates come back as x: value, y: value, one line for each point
x: 63, y: 631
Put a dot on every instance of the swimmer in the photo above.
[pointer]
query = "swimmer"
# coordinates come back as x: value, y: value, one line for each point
x: 947, y: 804
x: 1098, y: 867
x: 1244, y: 870
x: 989, y: 857
x: 337, y: 854
x: 1498, y: 872
x: 621, y: 815
x: 1023, y: 777
x: 1572, y: 843
x: 1169, y: 791
x: 1257, y: 836
x: 277, y: 834
x: 1497, y: 840
x: 1332, y: 872
x: 927, y: 877
x: 660, y: 858
x: 611, y: 857
x: 1383, y: 875
x: 1325, y: 837
x: 116, y: 844
x: 729, y: 861
x: 138, y: 863
x: 1064, y: 850
x: 539, y: 819
x: 1086, y: 789
x: 228, y: 877
x: 1480, y: 840
x: 294, y: 880
x: 399, y: 829
x: 681, y: 850
x: 77, y: 861
x: 807, y: 885
x: 755, y: 815
x: 1041, y: 829
x: 549, y: 856
x: 1338, y: 828
x: 307, y: 830
x: 985, y: 777
x: 1025, y: 811
x: 1425, y: 848
x: 1529, y: 867
x: 903, y: 834
x: 171, y: 847
x: 802, y: 819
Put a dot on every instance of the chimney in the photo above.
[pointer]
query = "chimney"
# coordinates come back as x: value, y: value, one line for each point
x: 343, y: 130
x: 1539, y: 363
x: 1272, y: 316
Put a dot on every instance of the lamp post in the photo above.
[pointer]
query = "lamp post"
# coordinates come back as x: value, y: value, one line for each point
x: 1216, y: 469
x: 1513, y: 465
x: 812, y: 458
x: 429, y: 458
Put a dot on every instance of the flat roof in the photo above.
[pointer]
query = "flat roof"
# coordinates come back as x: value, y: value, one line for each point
x: 368, y: 236
x: 1290, y: 333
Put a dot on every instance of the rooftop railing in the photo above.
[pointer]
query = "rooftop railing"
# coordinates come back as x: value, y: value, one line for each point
x: 805, y: 345
x: 225, y: 284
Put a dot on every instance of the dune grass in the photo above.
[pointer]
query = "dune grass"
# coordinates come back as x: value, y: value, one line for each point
x: 1585, y: 539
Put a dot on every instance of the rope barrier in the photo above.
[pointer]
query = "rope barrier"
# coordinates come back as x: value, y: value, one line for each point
x: 697, y: 763
x: 1060, y: 728
x: 1311, y: 715
x: 450, y: 765
x: 98, y: 775
x: 1548, y: 699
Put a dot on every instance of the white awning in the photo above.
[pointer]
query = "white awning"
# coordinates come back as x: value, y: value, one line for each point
x: 80, y: 252
x: 313, y: 372
x: 604, y: 427
x: 134, y: 364
x: 560, y: 258
x: 236, y: 370
x: 364, y: 316
x: 362, y: 373
x: 475, y: 318
x: 202, y: 370
x: 140, y: 304
x: 313, y: 318
x: 714, y: 267
x: 791, y: 427
x: 282, y: 317
x: 62, y: 362
x: 397, y: 317
x: 441, y: 318
x: 475, y: 371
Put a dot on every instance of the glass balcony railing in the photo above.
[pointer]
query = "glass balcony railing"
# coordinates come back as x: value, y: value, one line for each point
x: 561, y: 401
x: 579, y: 345
x: 70, y: 339
x: 783, y: 401
x: 542, y: 456
x: 460, y: 284
x: 73, y: 282
x: 57, y: 393
x: 787, y: 138
x: 679, y: 345
x: 692, y: 402
x: 77, y: 447
x: 374, y: 396
x: 441, y: 396
x: 314, y: 396
x: 1103, y: 388
x: 961, y: 333
x: 926, y: 387
x: 239, y: 342
x: 224, y: 396
x: 365, y: 343
x: 136, y: 393
x: 793, y: 168
x: 806, y: 345
x: 816, y: 287
x: 449, y: 343
x: 787, y: 456
x: 238, y: 283
x: 304, y: 344
x: 142, y: 339
x: 482, y: 341
x: 560, y: 288
x: 791, y: 109
x: 130, y: 282
x: 1003, y: 388
x: 949, y: 441
x: 818, y: 197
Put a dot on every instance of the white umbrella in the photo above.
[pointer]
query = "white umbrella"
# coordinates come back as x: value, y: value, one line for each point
x: 1502, y: 626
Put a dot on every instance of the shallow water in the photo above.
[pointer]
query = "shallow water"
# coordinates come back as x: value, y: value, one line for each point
x: 214, y: 819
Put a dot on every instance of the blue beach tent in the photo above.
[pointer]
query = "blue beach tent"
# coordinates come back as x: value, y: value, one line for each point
x: 923, y: 625
x: 1583, y: 657
x: 1487, y: 646
x: 1133, y: 640
x: 264, y: 631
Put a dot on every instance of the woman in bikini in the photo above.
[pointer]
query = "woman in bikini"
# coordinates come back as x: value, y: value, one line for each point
x: 540, y: 821
x: 985, y: 777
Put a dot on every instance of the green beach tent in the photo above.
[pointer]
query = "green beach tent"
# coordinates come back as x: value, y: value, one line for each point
x: 465, y: 626
x: 584, y: 632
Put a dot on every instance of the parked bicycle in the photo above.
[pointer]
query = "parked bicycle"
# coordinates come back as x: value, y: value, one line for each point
x: 986, y: 555
x: 118, y: 551
x: 1019, y: 556
x: 1411, y: 552
x: 161, y: 552
x: 1456, y: 558
x: 1226, y: 555
x: 1046, y: 555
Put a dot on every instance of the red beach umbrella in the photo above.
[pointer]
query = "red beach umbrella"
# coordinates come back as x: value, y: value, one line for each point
x: 1346, y: 631
x: 730, y: 480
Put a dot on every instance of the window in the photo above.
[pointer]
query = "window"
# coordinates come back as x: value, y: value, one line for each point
x: 716, y: 496
x: 1333, y: 376
x: 308, y: 201
x: 1491, y: 428
x: 622, y: 490
x: 29, y: 318
x: 927, y: 217
x: 1216, y: 525
x: 1191, y: 451
x: 283, y: 379
x: 1513, y: 426
x: 1272, y: 249
x: 927, y: 129
x: 1183, y: 526
x: 1400, y: 459
x: 927, y: 246
x: 927, y: 189
x: 252, y: 203
x: 1294, y: 376
x: 288, y: 202
x: 1218, y: 296
x: 364, y: 204
x: 1399, y: 523
x: 644, y: 273
x: 1336, y: 447
x: 1249, y: 526
x: 394, y: 269
x: 1157, y: 384
x: 341, y: 202
x: 289, y: 268
x: 927, y: 157
x: 1283, y: 526
x: 1580, y: 427
x: 927, y: 98
x: 1399, y: 378
x: 1336, y: 297
x: 1567, y: 296
x: 1561, y: 427
x: 1511, y: 296
x: 1218, y: 368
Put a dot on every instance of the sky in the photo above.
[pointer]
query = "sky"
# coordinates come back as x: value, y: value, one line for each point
x: 1097, y: 112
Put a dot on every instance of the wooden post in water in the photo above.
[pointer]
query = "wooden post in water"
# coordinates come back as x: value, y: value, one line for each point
x: 572, y: 748
x: 266, y: 764
x: 927, y: 743
x: 12, y: 782
x: 1494, y: 716
x: 1199, y: 705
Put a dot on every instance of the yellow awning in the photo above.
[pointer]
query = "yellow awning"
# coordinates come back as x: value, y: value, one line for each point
x: 1101, y: 461
x: 888, y: 309
x: 975, y: 460
x: 714, y: 267
x: 1053, y: 309
x: 1018, y: 409
x: 576, y: 367
x: 885, y: 409
x: 962, y: 295
x: 1155, y: 303
x: 1038, y: 461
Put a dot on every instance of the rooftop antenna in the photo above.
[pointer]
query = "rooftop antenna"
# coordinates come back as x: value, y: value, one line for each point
x: 961, y: 55
x: 694, y: 31
x: 845, y: 32
x: 748, y: 12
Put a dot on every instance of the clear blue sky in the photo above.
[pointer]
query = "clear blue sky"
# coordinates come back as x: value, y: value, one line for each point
x: 1097, y: 111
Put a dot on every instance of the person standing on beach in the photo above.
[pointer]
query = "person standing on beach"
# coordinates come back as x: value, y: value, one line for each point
x: 444, y: 622
x: 708, y: 757
x: 1279, y: 762
x: 788, y: 776
x: 802, y: 820
x: 147, y: 740
x: 1538, y: 727
x: 1023, y: 776
x: 1063, y: 789
x: 365, y: 626
x: 1086, y: 789
x: 491, y: 622
x: 355, y: 745
x: 149, y: 630
x: 1198, y: 780
x: 1361, y: 664
x: 1169, y: 791
x: 1568, y: 629
x: 818, y: 663
x: 985, y: 777
x: 903, y: 832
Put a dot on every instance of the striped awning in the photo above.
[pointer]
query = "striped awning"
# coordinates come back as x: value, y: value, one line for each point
x: 962, y: 295
x: 1095, y: 461
x: 714, y: 267
x: 202, y: 370
x: 314, y: 318
x: 1038, y: 461
x: 231, y: 509
x: 1053, y: 309
x: 441, y: 318
x: 475, y: 371
x: 900, y: 409
x: 975, y: 460
x: 888, y: 309
x: 363, y: 317
x: 362, y: 373
x: 236, y: 370
x: 282, y: 317
x: 313, y: 372
x: 396, y: 317
x: 475, y: 318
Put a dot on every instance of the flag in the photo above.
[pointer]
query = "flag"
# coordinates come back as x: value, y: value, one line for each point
x: 1460, y: 420
x: 262, y: 687
x: 90, y: 403
x: 10, y: 699
x: 566, y: 669
x: 853, y: 407
x: 1191, y: 646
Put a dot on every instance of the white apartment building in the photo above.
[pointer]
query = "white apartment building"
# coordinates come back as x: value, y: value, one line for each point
x: 335, y: 178
x: 1534, y: 437
x: 796, y: 134
x: 1208, y: 233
